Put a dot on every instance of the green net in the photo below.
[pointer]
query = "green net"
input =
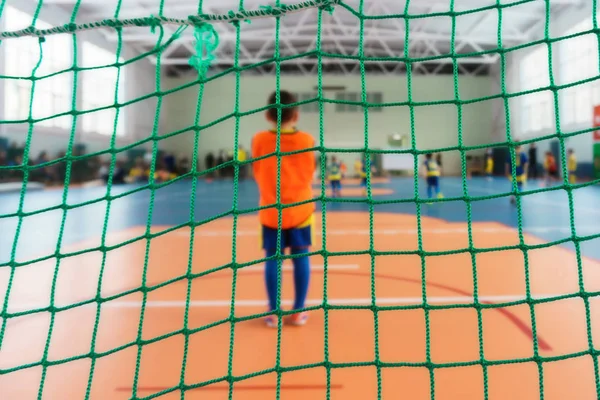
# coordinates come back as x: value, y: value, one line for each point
x: 206, y: 45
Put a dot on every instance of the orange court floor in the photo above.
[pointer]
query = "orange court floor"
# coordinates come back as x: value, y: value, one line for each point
x: 354, y: 338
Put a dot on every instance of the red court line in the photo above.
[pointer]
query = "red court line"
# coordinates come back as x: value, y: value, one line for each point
x: 522, y: 326
x: 237, y: 387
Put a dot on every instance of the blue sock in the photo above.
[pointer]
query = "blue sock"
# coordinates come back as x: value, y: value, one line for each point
x: 437, y: 189
x: 301, y: 277
x: 429, y: 191
x: 271, y: 279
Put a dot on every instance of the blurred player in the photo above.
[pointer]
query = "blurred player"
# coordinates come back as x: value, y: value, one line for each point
x: 358, y: 167
x: 520, y: 169
x: 489, y: 164
x: 572, y: 166
x: 343, y: 168
x: 296, y: 174
x: 550, y: 168
x: 334, y: 174
x: 432, y: 173
x: 138, y: 173
x: 365, y: 170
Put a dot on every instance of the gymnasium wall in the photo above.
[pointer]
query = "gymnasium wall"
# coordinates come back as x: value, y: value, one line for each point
x: 138, y: 79
x: 582, y: 144
x: 436, y: 126
x: 138, y: 118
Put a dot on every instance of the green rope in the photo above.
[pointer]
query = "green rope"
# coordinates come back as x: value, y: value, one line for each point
x: 465, y: 189
x: 278, y: 249
x: 206, y: 52
x: 154, y: 21
x: 207, y: 41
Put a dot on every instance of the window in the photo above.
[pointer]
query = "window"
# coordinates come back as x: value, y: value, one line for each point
x: 308, y: 107
x: 375, y: 98
x: 536, y: 107
x: 346, y: 96
x: 52, y: 95
x: 99, y: 87
x: 356, y: 97
x: 579, y: 61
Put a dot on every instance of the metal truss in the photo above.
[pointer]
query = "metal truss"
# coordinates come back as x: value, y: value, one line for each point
x: 475, y: 33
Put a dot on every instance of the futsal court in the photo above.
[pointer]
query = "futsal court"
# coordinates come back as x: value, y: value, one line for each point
x: 145, y: 146
x: 356, y: 281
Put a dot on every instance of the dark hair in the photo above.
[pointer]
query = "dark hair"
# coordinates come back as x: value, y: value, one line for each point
x: 287, y: 113
x: 428, y: 156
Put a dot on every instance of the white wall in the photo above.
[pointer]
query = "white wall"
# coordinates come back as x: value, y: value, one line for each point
x: 436, y: 126
x: 559, y: 24
x: 139, y: 79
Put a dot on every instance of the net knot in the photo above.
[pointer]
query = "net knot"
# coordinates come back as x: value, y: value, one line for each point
x: 268, y: 10
x: 153, y: 22
x: 328, y: 7
x: 72, y: 27
x: 207, y: 41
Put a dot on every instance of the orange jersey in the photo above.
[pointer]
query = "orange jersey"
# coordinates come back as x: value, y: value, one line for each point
x: 550, y: 164
x: 296, y: 177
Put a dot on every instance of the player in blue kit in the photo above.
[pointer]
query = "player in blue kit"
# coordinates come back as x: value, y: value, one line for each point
x: 521, y: 164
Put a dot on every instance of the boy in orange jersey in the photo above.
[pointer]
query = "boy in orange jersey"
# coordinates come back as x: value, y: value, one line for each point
x: 550, y: 167
x: 295, y: 179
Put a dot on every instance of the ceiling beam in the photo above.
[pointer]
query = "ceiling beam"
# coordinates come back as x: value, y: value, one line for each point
x: 369, y: 36
x: 227, y: 59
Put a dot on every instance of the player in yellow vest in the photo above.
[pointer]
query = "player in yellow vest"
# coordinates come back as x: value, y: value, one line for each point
x: 334, y: 174
x: 358, y: 167
x: 572, y: 166
x: 489, y: 164
x: 242, y: 156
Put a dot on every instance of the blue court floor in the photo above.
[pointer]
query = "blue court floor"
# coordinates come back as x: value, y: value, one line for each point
x: 545, y: 215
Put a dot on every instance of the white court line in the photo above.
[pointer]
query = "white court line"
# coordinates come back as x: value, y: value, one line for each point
x: 318, y: 267
x: 167, y: 304
x: 435, y: 231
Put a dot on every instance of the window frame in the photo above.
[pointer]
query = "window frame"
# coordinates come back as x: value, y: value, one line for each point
x: 578, y: 60
x: 537, y: 108
x: 105, y: 77
x: 20, y: 58
x: 372, y: 97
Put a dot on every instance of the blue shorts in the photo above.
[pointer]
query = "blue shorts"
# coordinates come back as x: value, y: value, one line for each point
x: 363, y: 181
x: 433, y: 180
x: 292, y: 237
x: 336, y: 184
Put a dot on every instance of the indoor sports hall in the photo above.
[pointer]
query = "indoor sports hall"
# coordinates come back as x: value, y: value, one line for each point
x: 319, y: 199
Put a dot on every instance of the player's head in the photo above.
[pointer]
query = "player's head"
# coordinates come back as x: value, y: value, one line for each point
x: 333, y: 159
x: 571, y: 151
x: 518, y: 148
x: 289, y: 115
x: 548, y: 154
x: 428, y: 156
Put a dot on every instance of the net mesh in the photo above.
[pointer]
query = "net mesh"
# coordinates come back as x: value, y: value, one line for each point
x: 207, y: 42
